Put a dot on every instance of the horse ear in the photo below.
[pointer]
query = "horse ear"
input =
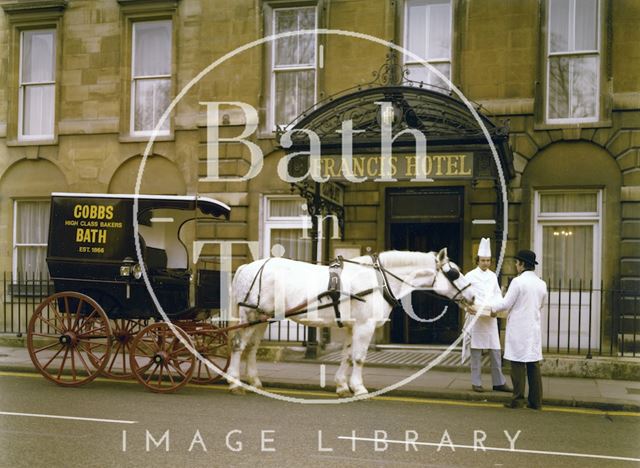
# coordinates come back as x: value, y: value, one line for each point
x: 442, y: 255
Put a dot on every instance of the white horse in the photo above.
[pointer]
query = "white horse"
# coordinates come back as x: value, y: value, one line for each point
x: 369, y: 287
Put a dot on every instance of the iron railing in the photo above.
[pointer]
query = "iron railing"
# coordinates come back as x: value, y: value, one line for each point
x: 585, y: 319
x: 21, y: 294
x: 578, y: 318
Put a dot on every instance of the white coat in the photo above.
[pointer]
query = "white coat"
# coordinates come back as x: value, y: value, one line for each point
x: 522, y: 306
x: 484, y: 333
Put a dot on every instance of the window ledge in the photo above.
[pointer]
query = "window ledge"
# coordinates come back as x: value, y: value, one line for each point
x: 572, y: 125
x: 49, y: 142
x: 145, y: 138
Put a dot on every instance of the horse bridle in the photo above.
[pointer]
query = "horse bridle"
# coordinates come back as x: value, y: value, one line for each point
x: 452, y: 276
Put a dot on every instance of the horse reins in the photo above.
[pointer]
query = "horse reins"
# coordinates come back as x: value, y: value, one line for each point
x: 388, y: 293
x: 337, y: 296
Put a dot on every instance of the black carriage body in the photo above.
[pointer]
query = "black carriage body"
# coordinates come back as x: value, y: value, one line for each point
x: 91, y: 239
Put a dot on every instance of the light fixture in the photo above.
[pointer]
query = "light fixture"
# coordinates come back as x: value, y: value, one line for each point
x: 125, y: 268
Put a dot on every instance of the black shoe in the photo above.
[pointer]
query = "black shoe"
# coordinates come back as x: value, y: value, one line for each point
x: 512, y: 405
x: 477, y: 388
x: 536, y: 408
x: 503, y: 388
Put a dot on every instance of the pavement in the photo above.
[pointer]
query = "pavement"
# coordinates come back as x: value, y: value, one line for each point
x: 422, y: 381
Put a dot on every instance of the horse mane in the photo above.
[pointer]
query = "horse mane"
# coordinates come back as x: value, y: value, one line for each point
x: 399, y: 258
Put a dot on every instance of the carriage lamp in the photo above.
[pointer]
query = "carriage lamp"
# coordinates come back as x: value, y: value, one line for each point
x: 125, y: 270
x: 137, y: 271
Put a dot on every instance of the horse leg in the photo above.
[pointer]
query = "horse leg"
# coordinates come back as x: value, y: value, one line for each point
x: 252, y: 350
x: 342, y: 374
x: 362, y: 334
x: 239, y: 342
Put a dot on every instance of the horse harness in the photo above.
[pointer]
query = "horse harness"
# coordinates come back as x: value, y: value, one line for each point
x: 335, y: 293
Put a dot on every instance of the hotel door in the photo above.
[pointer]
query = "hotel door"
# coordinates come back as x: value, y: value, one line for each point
x: 410, y: 229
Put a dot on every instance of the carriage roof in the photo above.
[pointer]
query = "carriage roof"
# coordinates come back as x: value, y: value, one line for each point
x: 206, y: 205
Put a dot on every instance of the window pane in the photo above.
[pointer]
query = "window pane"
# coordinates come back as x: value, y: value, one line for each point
x: 439, y: 41
x: 586, y: 37
x: 32, y: 227
x: 295, y: 50
x: 417, y: 30
x: 567, y: 254
x: 559, y: 11
x: 32, y: 222
x: 33, y: 261
x: 558, y: 87
x: 152, y: 48
x: 421, y: 73
x: 295, y: 247
x: 151, y: 100
x: 295, y: 92
x: 569, y: 203
x: 287, y: 207
x: 428, y: 26
x: 584, y: 86
x: 38, y: 110
x: 38, y: 56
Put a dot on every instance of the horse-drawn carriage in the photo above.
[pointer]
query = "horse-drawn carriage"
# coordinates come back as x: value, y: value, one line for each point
x: 102, y: 318
x: 99, y: 319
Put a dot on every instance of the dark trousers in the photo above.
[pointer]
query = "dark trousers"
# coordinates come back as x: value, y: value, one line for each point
x: 532, y: 372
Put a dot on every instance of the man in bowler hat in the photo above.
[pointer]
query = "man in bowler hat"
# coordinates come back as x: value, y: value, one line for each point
x: 522, y: 305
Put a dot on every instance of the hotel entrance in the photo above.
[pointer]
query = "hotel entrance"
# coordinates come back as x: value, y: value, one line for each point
x: 425, y: 219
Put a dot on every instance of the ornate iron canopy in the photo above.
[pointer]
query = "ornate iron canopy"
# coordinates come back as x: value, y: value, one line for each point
x: 443, y: 119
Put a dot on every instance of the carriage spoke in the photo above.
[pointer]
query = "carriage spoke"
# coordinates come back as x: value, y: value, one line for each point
x: 73, y: 365
x: 84, y: 363
x: 124, y: 358
x: 59, y: 317
x: 92, y: 331
x: 160, y: 375
x: 54, y: 356
x: 88, y: 319
x: 181, y: 360
x: 64, y: 359
x: 206, y: 368
x: 150, y: 349
x: 67, y: 313
x: 173, y: 382
x: 46, y: 347
x: 153, y: 372
x: 144, y: 368
x: 75, y: 321
x: 89, y: 351
x: 178, y: 370
x: 115, y: 356
x: 51, y: 325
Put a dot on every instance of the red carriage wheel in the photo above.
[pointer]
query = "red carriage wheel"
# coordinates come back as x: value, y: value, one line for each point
x: 213, y: 344
x: 160, y: 360
x: 69, y: 338
x: 119, y: 363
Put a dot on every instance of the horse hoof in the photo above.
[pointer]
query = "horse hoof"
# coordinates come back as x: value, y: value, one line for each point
x: 343, y: 393
x: 360, y: 391
x: 237, y: 390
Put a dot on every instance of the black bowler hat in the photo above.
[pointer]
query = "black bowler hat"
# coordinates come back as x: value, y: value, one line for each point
x: 527, y: 256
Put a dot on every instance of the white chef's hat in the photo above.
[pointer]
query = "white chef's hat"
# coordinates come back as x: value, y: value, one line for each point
x: 484, y: 250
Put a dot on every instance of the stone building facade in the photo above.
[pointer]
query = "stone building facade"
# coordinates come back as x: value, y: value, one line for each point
x: 84, y: 83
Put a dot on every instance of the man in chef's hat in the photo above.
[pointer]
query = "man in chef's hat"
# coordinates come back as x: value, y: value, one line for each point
x: 481, y: 331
